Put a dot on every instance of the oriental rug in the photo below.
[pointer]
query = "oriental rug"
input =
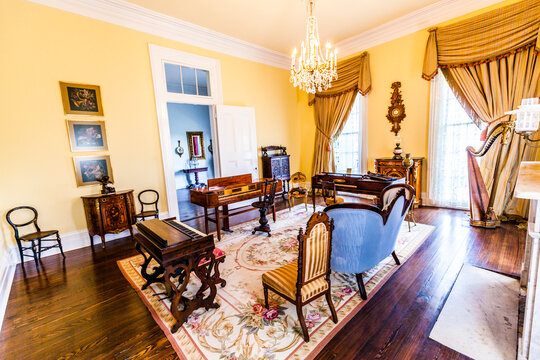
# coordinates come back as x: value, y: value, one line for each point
x: 241, y: 328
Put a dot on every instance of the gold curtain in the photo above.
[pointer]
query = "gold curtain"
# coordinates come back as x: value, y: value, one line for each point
x: 332, y: 107
x: 491, y: 63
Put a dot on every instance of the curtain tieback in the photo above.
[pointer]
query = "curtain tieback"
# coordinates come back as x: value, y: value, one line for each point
x: 329, y: 147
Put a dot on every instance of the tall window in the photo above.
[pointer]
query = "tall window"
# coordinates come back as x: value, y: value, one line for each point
x: 350, y: 147
x: 450, y: 132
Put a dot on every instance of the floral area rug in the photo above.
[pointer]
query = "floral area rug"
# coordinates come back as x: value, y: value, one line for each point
x: 241, y: 328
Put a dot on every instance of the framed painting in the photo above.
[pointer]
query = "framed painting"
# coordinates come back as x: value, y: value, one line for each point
x: 90, y: 168
x: 81, y: 99
x: 196, y: 145
x: 87, y: 135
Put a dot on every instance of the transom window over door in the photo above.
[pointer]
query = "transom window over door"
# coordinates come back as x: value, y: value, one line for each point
x: 350, y: 146
x: 186, y: 80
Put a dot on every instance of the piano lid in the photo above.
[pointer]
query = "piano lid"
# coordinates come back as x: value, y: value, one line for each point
x: 168, y: 232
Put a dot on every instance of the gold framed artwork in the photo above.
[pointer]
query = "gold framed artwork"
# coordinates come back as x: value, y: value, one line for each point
x: 196, y: 145
x: 81, y: 99
x: 87, y: 135
x: 88, y: 169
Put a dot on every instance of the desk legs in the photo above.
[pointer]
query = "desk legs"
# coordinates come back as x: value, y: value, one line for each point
x: 313, y: 197
x: 206, y: 220
x: 226, y: 218
x: 218, y: 227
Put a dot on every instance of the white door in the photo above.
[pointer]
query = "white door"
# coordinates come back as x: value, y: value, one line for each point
x: 237, y: 141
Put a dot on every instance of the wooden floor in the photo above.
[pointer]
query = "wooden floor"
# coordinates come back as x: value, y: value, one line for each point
x: 84, y: 308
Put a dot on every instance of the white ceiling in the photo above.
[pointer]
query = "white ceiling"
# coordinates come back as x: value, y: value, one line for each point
x: 280, y: 24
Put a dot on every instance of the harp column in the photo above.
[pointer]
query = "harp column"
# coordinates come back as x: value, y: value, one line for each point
x: 528, y: 187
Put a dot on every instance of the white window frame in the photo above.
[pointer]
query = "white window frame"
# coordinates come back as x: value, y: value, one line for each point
x: 362, y: 136
x: 158, y: 57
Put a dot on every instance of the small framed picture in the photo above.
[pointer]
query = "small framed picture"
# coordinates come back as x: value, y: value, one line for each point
x: 81, y: 99
x: 88, y: 169
x: 87, y: 135
x: 196, y: 145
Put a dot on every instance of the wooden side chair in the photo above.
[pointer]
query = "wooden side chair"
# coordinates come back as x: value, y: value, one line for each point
x: 298, y: 189
x: 149, y: 198
x: 266, y: 202
x: 33, y: 239
x: 308, y: 278
x: 329, y: 193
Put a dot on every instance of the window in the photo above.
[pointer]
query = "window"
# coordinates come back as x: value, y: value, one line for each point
x: 451, y: 131
x: 186, y: 80
x: 349, y: 147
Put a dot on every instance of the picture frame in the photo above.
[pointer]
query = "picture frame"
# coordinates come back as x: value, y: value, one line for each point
x: 90, y: 168
x: 196, y: 145
x: 87, y: 135
x: 81, y: 99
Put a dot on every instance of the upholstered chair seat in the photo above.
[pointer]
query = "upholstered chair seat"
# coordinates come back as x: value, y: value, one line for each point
x: 284, y: 279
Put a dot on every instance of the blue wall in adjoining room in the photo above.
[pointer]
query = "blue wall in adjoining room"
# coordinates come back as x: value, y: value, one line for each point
x: 183, y: 118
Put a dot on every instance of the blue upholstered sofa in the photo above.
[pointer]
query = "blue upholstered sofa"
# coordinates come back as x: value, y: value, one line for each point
x: 364, y: 235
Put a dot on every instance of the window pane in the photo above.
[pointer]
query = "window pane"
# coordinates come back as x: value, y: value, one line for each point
x: 188, y: 80
x: 172, y: 77
x: 347, y: 146
x: 202, y: 82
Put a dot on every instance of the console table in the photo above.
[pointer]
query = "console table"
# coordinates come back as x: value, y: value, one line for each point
x: 528, y: 187
x: 196, y: 171
x: 109, y: 213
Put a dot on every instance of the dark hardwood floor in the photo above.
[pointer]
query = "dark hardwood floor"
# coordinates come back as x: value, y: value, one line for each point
x: 84, y: 308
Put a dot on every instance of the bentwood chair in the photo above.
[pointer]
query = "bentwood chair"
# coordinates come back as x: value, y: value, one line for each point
x: 364, y: 235
x: 266, y: 202
x: 298, y: 189
x: 149, y: 198
x: 329, y: 193
x: 33, y: 239
x: 308, y: 278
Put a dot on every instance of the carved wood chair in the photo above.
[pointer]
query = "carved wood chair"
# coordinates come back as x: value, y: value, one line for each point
x: 148, y: 197
x: 34, y: 239
x: 266, y: 201
x: 298, y: 189
x: 329, y: 193
x: 308, y: 278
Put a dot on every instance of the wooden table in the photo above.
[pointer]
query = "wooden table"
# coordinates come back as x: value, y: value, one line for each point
x: 196, y: 171
x: 528, y: 187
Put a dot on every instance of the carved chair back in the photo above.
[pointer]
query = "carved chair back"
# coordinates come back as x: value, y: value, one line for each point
x: 269, y: 192
x: 17, y: 225
x: 148, y: 197
x: 299, y: 180
x: 314, y: 249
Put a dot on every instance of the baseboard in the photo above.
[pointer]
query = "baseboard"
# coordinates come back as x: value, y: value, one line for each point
x: 76, y: 240
x: 7, y: 272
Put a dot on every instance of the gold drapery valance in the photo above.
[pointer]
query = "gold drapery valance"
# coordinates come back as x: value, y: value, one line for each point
x: 353, y: 74
x: 483, y: 38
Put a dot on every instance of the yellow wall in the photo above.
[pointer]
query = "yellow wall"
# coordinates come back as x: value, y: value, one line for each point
x: 41, y: 46
x: 397, y: 60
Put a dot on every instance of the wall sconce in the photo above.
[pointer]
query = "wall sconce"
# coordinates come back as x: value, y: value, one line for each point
x: 210, y: 147
x: 527, y: 119
x: 179, y: 150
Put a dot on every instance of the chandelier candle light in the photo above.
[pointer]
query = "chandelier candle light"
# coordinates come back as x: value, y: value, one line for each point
x: 313, y: 72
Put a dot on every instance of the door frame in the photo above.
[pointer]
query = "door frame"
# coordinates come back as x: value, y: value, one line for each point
x: 158, y: 56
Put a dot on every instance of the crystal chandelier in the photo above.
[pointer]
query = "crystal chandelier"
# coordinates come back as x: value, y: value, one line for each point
x: 313, y: 72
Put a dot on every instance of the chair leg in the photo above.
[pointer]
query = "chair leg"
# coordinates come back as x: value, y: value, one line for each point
x: 60, y: 245
x: 20, y: 251
x: 302, y: 322
x: 266, y: 296
x: 305, y: 202
x: 331, y: 306
x: 35, y: 254
x: 274, y: 212
x: 290, y: 199
x: 39, y: 248
x: 396, y: 259
x: 361, y: 287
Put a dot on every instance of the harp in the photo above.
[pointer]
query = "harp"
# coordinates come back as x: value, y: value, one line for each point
x: 481, y: 202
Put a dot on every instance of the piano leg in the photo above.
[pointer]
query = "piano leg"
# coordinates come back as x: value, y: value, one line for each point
x: 206, y: 220
x: 226, y: 219
x: 155, y: 276
x: 218, y: 227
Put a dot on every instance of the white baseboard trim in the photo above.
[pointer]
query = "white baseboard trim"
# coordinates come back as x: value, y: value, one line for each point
x: 7, y: 272
x: 76, y: 240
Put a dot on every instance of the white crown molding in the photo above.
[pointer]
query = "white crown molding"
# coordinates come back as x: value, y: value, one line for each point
x: 420, y: 19
x: 138, y: 18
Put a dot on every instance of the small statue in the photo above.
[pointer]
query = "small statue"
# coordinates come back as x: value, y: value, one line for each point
x: 106, y: 185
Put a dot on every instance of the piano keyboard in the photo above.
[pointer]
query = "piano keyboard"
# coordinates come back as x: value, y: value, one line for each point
x: 183, y: 228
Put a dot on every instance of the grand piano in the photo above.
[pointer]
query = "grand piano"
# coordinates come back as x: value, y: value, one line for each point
x: 222, y: 192
x: 179, y: 251
x: 370, y: 184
